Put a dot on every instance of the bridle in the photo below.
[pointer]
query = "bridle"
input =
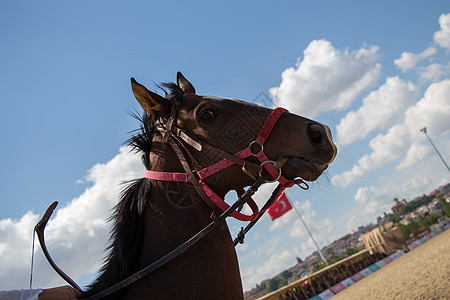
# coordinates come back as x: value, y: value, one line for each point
x: 176, y: 138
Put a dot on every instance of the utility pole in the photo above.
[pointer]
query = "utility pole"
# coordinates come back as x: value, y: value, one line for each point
x: 309, y: 232
x: 424, y: 131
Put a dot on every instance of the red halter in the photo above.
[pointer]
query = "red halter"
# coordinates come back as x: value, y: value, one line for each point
x: 226, y: 162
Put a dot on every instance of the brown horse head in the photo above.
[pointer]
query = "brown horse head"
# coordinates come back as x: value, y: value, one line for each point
x: 155, y: 216
x: 304, y: 146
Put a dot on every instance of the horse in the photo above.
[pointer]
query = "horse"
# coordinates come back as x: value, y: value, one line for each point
x: 156, y: 214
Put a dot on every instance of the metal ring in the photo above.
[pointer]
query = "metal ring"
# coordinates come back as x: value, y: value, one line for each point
x: 279, y: 171
x: 306, y: 187
x: 250, y: 146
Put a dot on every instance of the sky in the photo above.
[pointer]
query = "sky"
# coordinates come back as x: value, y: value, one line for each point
x: 375, y: 72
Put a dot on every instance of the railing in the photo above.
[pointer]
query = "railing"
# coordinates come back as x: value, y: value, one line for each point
x: 339, y: 269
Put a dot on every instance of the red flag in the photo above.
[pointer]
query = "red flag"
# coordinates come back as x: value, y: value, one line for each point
x: 280, y: 207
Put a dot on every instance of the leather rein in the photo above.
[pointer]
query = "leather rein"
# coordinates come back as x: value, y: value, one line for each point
x: 175, y: 136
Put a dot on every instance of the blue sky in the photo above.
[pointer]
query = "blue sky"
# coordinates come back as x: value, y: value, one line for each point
x: 372, y: 71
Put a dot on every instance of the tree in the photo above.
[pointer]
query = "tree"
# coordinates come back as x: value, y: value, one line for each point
x: 393, y: 218
x: 432, y: 219
x: 334, y: 258
x: 299, y: 261
x: 422, y: 222
x: 286, y: 274
x: 403, y: 210
x: 282, y: 282
x: 279, y: 281
x: 350, y: 251
x: 445, y: 205
x: 425, y: 200
x: 413, y: 227
x: 272, y: 284
x: 404, y: 230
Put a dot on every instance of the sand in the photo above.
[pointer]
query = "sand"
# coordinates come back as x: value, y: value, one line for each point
x: 423, y: 273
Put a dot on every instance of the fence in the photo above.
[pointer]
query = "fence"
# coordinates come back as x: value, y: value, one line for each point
x: 332, y: 279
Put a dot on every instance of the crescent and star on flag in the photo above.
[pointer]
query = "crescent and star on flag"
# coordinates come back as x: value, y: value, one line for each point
x: 280, y: 207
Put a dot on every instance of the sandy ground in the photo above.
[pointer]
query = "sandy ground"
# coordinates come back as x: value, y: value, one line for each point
x: 423, y: 273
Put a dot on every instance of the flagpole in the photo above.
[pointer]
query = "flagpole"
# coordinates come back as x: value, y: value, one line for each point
x: 309, y: 232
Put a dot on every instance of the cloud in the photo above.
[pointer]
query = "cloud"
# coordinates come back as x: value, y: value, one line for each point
x: 326, y: 79
x: 432, y: 111
x: 15, y: 251
x: 314, y: 223
x: 442, y: 37
x: 372, y: 201
x: 276, y: 263
x: 309, y: 216
x: 76, y: 235
x: 408, y: 60
x: 381, y: 109
x: 260, y: 198
x: 278, y: 258
x: 384, y: 149
x: 415, y: 154
x: 269, y: 248
x: 433, y: 72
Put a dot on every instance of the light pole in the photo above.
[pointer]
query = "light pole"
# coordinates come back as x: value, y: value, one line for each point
x: 424, y: 131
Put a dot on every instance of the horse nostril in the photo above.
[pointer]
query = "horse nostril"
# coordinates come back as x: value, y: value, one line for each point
x: 315, y: 134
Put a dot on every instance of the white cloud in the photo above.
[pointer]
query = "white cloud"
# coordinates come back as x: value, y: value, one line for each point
x: 76, y: 235
x: 384, y: 149
x: 314, y: 223
x: 260, y: 197
x: 309, y: 216
x: 432, y: 111
x: 278, y: 257
x: 442, y: 37
x: 408, y: 60
x: 276, y: 263
x: 326, y: 79
x: 433, y: 72
x: 15, y: 250
x: 380, y: 109
x: 269, y: 248
x: 415, y: 154
x: 372, y: 201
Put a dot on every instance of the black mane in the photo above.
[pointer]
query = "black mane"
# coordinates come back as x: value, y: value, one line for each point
x: 126, y: 233
x: 142, y: 142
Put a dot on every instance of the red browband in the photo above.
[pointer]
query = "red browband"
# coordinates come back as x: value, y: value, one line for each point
x: 224, y: 163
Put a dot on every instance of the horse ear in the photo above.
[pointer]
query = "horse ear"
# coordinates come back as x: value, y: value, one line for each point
x: 151, y: 102
x: 184, y: 84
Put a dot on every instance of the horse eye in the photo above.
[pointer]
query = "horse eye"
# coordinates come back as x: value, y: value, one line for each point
x: 207, y: 116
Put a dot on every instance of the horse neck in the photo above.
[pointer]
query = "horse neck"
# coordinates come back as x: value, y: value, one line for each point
x: 174, y: 213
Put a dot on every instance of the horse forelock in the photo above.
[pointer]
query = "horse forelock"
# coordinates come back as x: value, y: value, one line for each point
x: 142, y: 140
x: 176, y: 94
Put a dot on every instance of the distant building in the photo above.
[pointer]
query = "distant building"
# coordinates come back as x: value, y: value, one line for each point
x: 397, y: 205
